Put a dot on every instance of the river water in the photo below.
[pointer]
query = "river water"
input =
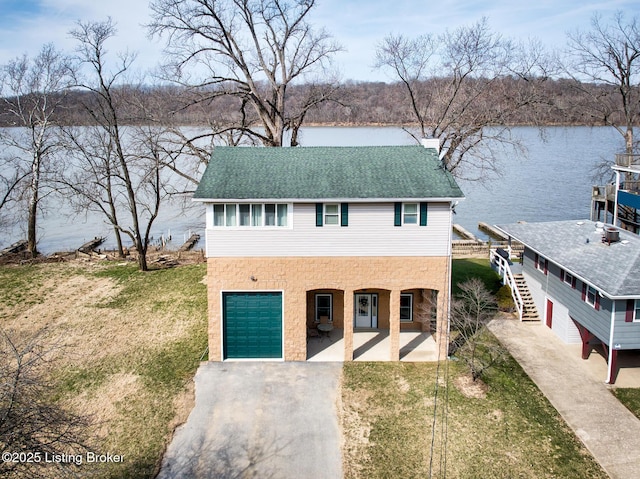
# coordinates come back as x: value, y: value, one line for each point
x: 552, y: 182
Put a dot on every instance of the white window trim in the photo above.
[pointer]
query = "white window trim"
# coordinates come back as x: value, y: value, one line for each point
x: 325, y: 214
x: 317, y: 317
x: 540, y: 265
x: 595, y: 296
x: 410, y: 296
x: 417, y: 214
x: 636, y: 307
x: 263, y: 216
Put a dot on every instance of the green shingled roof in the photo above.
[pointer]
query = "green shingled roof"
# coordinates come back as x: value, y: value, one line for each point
x: 325, y: 173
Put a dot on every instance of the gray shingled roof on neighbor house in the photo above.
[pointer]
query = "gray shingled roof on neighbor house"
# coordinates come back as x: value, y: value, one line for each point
x: 363, y: 172
x: 577, y: 247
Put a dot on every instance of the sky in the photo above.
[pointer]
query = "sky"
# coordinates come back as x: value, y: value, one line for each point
x: 358, y: 25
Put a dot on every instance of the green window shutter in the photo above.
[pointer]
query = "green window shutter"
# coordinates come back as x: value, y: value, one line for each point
x: 319, y: 214
x: 344, y: 207
x: 423, y: 214
x: 397, y: 216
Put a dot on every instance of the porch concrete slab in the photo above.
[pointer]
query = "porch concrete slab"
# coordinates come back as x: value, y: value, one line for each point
x: 260, y: 419
x: 373, y: 346
x: 607, y: 428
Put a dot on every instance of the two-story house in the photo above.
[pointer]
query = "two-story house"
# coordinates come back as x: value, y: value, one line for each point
x: 584, y: 278
x: 357, y: 237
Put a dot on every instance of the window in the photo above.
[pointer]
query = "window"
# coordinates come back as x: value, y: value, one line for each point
x: 256, y: 215
x: 218, y: 215
x: 332, y: 214
x: 282, y: 215
x: 269, y: 215
x: 250, y: 215
x: 406, y: 307
x: 244, y: 215
x: 230, y: 213
x: 410, y: 213
x: 592, y: 296
x: 541, y: 264
x: 323, y: 306
x: 636, y: 310
x: 568, y: 278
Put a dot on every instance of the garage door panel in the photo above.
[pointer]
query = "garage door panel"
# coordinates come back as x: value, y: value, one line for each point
x: 252, y: 325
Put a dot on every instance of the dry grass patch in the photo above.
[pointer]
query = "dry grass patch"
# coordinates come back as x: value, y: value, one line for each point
x: 129, y: 344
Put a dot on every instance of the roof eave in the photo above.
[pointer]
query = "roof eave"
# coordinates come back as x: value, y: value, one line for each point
x: 445, y: 199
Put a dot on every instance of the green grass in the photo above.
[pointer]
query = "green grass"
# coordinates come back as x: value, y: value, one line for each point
x: 630, y: 397
x: 464, y: 269
x: 512, y: 432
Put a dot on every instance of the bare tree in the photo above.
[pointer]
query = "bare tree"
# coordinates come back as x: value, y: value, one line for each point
x: 471, y: 310
x: 253, y: 50
x: 457, y: 88
x: 33, y: 91
x: 33, y: 426
x: 605, y: 64
x: 123, y: 163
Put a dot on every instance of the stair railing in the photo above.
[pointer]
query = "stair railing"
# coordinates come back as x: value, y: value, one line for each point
x: 504, y: 270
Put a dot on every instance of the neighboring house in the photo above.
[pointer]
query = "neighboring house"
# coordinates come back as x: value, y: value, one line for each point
x: 585, y: 280
x: 358, y: 237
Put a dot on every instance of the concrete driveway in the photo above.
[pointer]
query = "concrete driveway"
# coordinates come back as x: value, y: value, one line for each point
x: 260, y: 419
x: 608, y: 429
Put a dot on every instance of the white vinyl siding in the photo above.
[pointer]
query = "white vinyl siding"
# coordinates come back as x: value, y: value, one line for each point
x: 371, y: 232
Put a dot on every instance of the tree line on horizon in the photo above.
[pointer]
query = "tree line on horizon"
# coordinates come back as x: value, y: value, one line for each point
x: 355, y: 103
x: 255, y: 72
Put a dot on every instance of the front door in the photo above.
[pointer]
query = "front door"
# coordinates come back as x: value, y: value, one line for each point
x: 366, y: 311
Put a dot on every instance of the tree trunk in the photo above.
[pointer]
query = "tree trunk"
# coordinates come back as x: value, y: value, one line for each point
x: 33, y: 207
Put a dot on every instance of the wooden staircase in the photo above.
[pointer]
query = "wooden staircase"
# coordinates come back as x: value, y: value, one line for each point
x: 529, y: 310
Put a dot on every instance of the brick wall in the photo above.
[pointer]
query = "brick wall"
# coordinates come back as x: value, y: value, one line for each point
x: 296, y: 276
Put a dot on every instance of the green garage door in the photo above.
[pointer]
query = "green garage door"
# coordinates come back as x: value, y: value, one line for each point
x: 252, y: 325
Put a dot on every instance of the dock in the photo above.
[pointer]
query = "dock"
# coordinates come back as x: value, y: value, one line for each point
x: 91, y: 245
x: 493, y: 232
x: 464, y: 234
x: 16, y: 247
x: 190, y: 243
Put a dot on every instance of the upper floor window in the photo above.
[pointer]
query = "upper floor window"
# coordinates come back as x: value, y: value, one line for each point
x: 569, y: 279
x: 410, y: 214
x: 636, y: 310
x: 247, y: 215
x: 332, y: 214
x: 590, y: 296
x: 541, y: 264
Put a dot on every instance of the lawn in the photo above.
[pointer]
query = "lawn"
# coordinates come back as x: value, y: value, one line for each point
x: 416, y: 420
x: 394, y: 427
x: 130, y: 345
x: 132, y: 342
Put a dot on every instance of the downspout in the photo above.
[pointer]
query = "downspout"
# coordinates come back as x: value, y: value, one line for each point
x: 611, y: 345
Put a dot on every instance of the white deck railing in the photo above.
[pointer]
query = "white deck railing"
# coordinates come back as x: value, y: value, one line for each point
x: 503, y: 268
